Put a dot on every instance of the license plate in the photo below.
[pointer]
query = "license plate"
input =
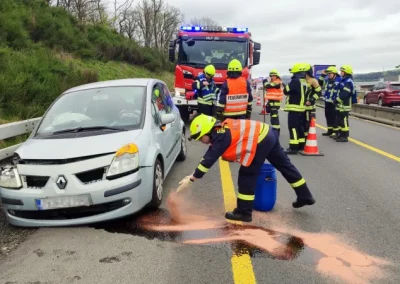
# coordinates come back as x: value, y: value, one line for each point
x: 62, y: 202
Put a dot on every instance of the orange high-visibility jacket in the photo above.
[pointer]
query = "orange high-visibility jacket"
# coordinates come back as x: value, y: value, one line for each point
x: 237, y: 99
x: 273, y: 93
x: 244, y: 140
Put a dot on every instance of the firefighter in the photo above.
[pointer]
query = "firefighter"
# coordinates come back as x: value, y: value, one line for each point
x: 332, y: 87
x: 274, y: 95
x: 344, y: 100
x: 295, y: 95
x: 250, y: 143
x: 313, y: 94
x: 235, y: 98
x: 205, y: 90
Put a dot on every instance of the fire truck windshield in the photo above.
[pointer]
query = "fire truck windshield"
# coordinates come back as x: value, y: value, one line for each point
x: 199, y: 53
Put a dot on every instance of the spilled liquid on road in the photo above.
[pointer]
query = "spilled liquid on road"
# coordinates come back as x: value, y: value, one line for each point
x: 327, y: 253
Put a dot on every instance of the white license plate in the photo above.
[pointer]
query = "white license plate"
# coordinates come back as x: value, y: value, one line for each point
x: 63, y: 202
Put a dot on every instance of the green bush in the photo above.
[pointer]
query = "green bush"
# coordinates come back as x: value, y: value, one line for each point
x: 43, y: 52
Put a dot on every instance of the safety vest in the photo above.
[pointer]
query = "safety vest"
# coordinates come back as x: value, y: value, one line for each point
x: 237, y: 99
x: 273, y: 93
x: 295, y: 101
x: 245, y: 135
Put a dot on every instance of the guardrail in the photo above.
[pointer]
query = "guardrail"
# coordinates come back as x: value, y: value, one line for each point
x: 384, y: 115
x: 13, y: 129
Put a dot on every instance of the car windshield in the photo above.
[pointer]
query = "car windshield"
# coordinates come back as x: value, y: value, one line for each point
x: 109, y: 108
x: 219, y: 53
x: 396, y: 87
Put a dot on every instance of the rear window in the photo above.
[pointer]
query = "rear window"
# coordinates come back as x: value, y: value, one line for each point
x: 395, y: 87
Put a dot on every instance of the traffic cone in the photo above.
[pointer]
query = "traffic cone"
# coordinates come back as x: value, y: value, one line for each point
x: 264, y: 111
x: 311, y: 148
x: 258, y: 101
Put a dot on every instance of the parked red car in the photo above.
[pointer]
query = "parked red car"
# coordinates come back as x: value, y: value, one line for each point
x: 384, y: 94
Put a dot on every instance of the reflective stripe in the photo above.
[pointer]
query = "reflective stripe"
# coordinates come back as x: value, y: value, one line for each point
x: 263, y: 132
x: 251, y: 133
x: 202, y: 168
x: 245, y: 197
x: 312, y: 143
x: 294, y: 141
x: 302, y: 140
x: 312, y: 130
x: 298, y: 183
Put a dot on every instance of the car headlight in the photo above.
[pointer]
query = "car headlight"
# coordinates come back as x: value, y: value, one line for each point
x: 126, y: 161
x: 10, y: 178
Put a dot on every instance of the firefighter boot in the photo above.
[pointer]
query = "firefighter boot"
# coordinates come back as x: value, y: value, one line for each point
x: 243, y: 211
x: 328, y: 133
x: 304, y: 197
x: 291, y: 151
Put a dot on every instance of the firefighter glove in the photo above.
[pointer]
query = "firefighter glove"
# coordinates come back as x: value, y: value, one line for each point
x: 185, y: 183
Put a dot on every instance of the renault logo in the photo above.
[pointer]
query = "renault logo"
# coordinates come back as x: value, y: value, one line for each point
x: 61, y: 182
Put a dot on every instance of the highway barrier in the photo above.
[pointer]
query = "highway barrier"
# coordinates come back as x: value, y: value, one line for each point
x: 13, y: 129
x: 386, y: 115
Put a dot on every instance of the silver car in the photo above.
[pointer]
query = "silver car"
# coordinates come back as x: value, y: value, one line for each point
x: 101, y: 151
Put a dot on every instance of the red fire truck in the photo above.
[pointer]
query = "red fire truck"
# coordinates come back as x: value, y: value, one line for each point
x: 197, y: 47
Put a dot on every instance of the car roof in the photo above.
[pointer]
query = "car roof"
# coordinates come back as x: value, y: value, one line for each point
x: 141, y: 82
x: 395, y: 82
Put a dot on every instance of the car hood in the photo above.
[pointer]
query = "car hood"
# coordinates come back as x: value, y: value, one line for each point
x: 75, y: 147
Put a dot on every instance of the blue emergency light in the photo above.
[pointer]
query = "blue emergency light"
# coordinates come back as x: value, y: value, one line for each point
x: 214, y: 29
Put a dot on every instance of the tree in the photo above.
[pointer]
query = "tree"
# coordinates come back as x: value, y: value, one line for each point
x: 204, y: 21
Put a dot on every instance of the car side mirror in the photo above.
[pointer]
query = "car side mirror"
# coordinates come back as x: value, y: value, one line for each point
x: 165, y: 119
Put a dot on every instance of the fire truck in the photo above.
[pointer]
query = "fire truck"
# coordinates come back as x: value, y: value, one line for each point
x: 195, y: 47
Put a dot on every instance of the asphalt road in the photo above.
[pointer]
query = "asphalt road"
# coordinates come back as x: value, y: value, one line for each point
x: 356, y: 186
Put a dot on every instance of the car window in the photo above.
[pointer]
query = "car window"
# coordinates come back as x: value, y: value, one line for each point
x: 120, y: 107
x: 381, y: 86
x: 395, y: 87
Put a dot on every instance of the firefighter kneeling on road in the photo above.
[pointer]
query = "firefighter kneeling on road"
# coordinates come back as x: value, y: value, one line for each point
x: 235, y: 98
x: 274, y: 95
x: 205, y: 90
x: 248, y: 142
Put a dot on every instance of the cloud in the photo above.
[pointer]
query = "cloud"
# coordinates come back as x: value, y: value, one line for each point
x: 362, y: 33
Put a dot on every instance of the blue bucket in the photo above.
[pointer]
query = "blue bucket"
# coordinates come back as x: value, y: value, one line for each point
x: 265, y: 195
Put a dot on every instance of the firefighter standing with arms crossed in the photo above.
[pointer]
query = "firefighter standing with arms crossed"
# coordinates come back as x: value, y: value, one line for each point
x: 313, y: 94
x: 250, y: 143
x: 274, y: 95
x: 344, y: 101
x: 235, y: 98
x: 331, y: 92
x: 205, y: 90
x: 295, y: 99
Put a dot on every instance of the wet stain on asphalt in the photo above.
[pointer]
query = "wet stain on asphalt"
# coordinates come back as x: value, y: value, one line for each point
x: 326, y: 252
x: 146, y: 226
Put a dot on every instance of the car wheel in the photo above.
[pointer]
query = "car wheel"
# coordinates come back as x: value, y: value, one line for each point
x: 380, y: 102
x: 366, y: 101
x: 183, y: 152
x: 158, y: 189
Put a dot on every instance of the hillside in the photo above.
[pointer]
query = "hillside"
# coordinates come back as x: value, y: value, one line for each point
x: 44, y: 51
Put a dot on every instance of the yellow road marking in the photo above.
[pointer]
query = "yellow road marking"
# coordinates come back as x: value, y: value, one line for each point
x: 242, y: 267
x: 376, y: 150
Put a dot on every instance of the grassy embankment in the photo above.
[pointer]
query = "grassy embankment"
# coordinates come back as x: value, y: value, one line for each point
x: 44, y: 51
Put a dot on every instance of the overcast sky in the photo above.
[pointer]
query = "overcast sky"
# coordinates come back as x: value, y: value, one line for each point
x: 362, y: 33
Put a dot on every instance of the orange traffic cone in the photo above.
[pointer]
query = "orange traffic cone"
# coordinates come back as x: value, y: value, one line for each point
x: 258, y: 101
x: 311, y: 148
x: 264, y: 111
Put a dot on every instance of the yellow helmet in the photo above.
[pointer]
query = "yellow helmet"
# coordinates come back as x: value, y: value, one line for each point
x: 235, y: 65
x: 157, y: 92
x: 298, y: 67
x: 200, y: 126
x: 209, y: 70
x: 347, y: 69
x: 274, y: 72
x: 332, y: 69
